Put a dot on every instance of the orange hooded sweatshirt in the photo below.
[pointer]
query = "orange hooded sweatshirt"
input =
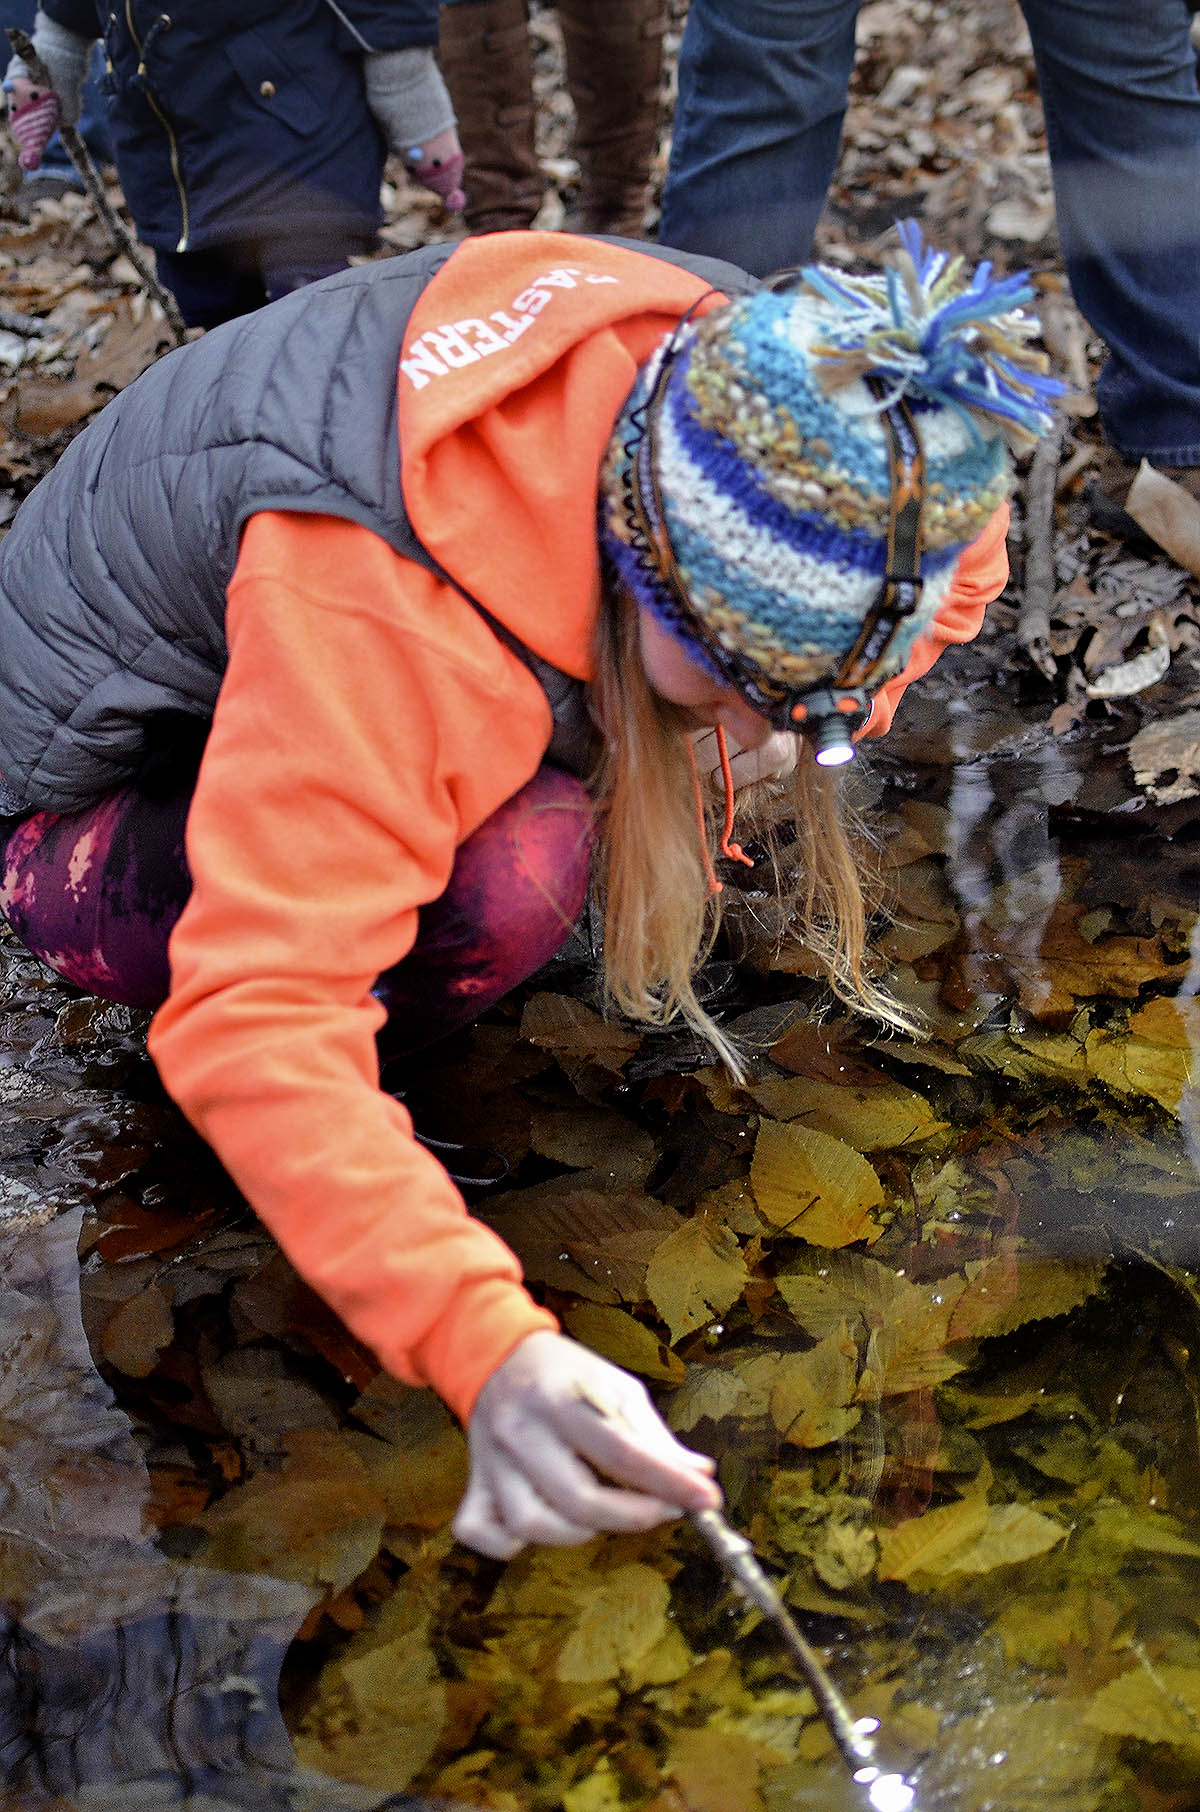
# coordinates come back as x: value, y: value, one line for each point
x: 368, y: 722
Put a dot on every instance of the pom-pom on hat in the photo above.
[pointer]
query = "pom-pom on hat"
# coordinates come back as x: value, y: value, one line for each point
x: 752, y: 488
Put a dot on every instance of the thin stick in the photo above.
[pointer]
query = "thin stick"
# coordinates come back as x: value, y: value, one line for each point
x: 81, y: 157
x: 1033, y: 623
x: 31, y: 326
x: 854, y: 1737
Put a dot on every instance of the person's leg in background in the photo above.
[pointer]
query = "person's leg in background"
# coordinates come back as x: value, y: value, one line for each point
x: 96, y: 894
x: 758, y: 126
x: 487, y: 60
x: 614, y: 67
x: 1122, y: 106
x: 212, y: 285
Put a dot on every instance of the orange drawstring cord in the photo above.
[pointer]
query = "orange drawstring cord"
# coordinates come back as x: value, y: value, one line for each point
x: 714, y: 886
x: 734, y: 851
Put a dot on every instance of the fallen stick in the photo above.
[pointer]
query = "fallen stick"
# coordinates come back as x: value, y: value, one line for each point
x: 31, y: 326
x: 1033, y: 622
x: 81, y: 157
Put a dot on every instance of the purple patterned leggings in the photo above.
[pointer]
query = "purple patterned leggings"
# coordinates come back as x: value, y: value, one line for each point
x: 96, y: 893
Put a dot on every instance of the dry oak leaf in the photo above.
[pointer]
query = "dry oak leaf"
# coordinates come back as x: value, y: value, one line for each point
x: 814, y: 1186
x: 624, y: 1615
x: 695, y: 1275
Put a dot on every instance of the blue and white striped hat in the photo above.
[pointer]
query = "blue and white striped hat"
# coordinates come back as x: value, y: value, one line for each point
x: 772, y: 462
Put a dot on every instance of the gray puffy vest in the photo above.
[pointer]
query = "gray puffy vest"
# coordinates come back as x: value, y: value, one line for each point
x: 113, y: 576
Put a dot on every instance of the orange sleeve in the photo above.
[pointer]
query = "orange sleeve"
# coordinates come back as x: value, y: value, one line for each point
x: 980, y: 577
x: 367, y: 723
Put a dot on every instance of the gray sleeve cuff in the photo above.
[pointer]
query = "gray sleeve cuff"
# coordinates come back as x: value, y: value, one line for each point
x: 407, y: 95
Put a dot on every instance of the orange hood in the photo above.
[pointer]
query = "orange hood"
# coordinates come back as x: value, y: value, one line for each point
x: 515, y: 365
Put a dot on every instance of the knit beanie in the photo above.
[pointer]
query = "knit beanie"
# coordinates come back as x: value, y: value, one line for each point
x: 771, y: 456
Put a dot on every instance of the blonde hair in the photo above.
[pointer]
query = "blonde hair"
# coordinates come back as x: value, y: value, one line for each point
x: 653, y: 875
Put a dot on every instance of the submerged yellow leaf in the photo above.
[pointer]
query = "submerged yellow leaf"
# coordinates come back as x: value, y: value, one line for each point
x: 812, y: 1399
x: 599, y: 1791
x: 1012, y: 1532
x: 618, y: 1336
x: 695, y: 1275
x: 1006, y: 1292
x: 875, y: 1116
x: 814, y: 1186
x: 376, y: 1716
x: 1154, y: 1056
x: 562, y: 1024
x: 319, y: 1518
x: 708, y: 1393
x: 1033, y: 1755
x: 908, y: 1350
x: 922, y: 1544
x: 1159, y: 1704
x: 624, y: 1616
x: 845, y: 1287
x: 716, y: 1771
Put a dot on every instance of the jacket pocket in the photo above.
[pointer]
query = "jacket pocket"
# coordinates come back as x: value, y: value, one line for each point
x: 273, y: 84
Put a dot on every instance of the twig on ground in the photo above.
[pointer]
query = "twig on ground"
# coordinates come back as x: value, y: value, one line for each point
x: 1033, y: 623
x: 31, y: 326
x: 81, y: 157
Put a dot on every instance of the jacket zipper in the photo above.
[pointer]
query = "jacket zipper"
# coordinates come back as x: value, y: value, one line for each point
x: 172, y: 142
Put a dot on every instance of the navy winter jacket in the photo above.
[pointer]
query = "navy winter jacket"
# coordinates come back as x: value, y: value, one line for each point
x: 245, y: 119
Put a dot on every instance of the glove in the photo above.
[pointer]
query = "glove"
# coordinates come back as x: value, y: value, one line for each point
x: 439, y: 165
x: 34, y: 113
x: 550, y: 1418
x: 33, y: 126
x: 410, y: 103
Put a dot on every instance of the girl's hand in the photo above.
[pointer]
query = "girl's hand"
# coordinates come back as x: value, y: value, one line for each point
x: 774, y: 759
x: 548, y: 1420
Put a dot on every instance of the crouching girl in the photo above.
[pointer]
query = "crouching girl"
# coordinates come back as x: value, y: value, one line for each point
x: 349, y: 645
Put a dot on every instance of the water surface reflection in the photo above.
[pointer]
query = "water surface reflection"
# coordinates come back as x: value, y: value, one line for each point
x: 960, y: 1414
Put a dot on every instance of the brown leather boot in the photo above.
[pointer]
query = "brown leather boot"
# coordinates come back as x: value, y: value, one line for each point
x: 614, y: 56
x: 487, y: 61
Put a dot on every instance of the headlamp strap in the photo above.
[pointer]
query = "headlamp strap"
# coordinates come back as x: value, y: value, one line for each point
x: 900, y: 592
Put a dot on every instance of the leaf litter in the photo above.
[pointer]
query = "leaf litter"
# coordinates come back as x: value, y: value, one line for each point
x: 931, y: 1304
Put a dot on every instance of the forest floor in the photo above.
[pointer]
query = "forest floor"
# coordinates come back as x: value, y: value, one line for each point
x: 944, y: 124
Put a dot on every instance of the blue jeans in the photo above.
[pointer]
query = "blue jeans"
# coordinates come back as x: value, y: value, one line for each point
x: 762, y: 96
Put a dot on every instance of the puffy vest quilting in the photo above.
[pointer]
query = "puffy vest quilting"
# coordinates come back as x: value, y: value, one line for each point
x: 113, y: 575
